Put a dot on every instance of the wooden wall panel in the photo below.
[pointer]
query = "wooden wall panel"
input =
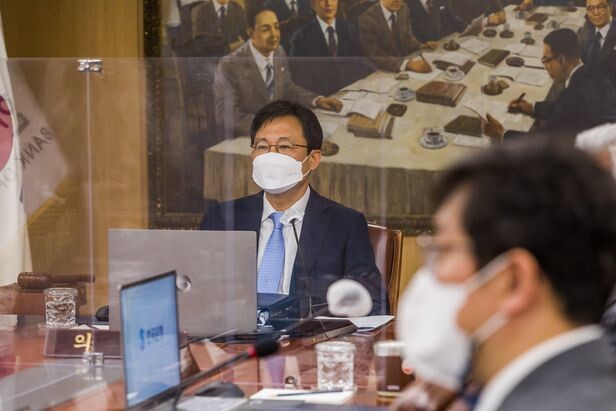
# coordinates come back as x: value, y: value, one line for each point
x: 60, y: 236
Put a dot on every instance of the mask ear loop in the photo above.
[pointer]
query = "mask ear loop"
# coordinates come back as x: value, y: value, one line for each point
x: 302, y: 162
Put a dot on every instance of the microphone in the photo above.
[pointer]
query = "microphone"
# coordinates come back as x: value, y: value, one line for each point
x: 259, y: 350
x: 301, y: 258
x: 348, y: 298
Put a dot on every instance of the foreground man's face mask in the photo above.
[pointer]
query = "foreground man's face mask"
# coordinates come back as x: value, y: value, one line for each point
x: 435, y: 346
x: 277, y: 173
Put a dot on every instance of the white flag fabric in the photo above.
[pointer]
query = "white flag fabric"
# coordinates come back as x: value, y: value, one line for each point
x: 14, y: 245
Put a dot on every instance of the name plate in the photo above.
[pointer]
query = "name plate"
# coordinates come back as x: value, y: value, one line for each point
x: 74, y: 343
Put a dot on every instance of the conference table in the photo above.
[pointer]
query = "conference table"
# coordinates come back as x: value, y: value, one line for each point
x: 29, y: 380
x: 389, y: 180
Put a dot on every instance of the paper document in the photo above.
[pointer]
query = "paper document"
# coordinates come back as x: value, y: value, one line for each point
x: 529, y: 76
x: 366, y: 108
x: 341, y: 397
x: 455, y: 57
x: 379, y: 85
x: 497, y: 109
x: 364, y: 323
x: 354, y: 95
x: 329, y: 128
x: 537, y: 78
x: 470, y: 141
x: 474, y: 45
x: 533, y: 63
x: 532, y: 51
x: 424, y: 76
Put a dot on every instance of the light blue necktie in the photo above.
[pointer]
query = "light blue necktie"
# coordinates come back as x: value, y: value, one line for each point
x: 272, y: 264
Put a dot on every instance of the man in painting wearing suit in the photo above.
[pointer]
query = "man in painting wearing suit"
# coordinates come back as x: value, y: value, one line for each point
x: 256, y: 74
x: 222, y: 21
x: 329, y: 41
x: 386, y: 37
x: 286, y: 140
x: 588, y: 100
x: 290, y: 13
x: 598, y: 38
x: 432, y: 20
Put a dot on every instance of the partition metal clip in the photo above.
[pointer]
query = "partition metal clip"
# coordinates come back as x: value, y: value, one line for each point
x: 90, y: 65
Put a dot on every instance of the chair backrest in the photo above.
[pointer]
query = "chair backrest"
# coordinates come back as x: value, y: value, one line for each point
x: 387, y: 246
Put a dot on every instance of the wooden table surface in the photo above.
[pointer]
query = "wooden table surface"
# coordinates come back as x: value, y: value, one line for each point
x: 23, y: 349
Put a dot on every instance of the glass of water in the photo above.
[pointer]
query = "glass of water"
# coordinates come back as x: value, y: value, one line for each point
x: 335, y: 365
x: 60, y: 307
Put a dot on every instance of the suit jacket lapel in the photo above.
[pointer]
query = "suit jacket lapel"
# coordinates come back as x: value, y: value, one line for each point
x: 316, y: 33
x: 253, y: 70
x: 252, y: 213
x: 384, y: 28
x: 610, y: 41
x: 315, y: 226
x: 279, y: 73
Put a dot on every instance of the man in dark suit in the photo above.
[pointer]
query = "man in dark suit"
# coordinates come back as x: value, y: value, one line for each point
x: 522, y: 265
x: 285, y: 9
x: 221, y: 22
x: 491, y: 11
x: 598, y: 38
x: 290, y: 14
x: 334, y: 50
x: 254, y: 75
x: 386, y: 36
x: 286, y: 140
x: 432, y: 20
x: 588, y: 100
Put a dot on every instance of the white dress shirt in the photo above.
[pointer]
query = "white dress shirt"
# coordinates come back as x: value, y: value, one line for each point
x: 262, y: 61
x: 509, y: 377
x: 289, y: 5
x: 604, y: 30
x: 218, y: 6
x: 297, y: 211
x: 576, y: 68
x: 325, y: 26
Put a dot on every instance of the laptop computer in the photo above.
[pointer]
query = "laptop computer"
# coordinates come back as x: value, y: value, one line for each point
x: 150, y: 345
x: 216, y: 275
x: 150, y: 342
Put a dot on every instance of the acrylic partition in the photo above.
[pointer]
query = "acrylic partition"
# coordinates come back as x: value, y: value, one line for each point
x: 119, y: 170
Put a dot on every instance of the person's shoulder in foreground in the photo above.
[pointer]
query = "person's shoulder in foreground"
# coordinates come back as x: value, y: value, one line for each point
x: 518, y: 276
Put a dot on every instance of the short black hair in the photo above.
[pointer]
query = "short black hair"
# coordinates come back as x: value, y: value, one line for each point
x: 551, y: 200
x: 283, y: 108
x: 564, y: 42
x: 251, y: 18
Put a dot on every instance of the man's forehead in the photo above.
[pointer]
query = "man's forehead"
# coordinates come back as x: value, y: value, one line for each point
x: 288, y: 127
x: 596, y: 2
x: 266, y: 18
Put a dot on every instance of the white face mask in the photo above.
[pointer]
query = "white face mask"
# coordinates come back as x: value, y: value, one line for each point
x: 435, y: 347
x: 276, y: 173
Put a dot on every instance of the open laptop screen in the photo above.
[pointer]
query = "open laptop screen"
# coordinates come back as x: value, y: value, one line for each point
x: 150, y: 344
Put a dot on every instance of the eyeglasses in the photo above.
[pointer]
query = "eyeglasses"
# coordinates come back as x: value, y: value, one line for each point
x: 599, y: 7
x: 547, y: 59
x: 282, y: 147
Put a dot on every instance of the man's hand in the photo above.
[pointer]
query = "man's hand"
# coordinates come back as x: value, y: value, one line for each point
x: 527, y: 5
x: 418, y: 66
x: 432, y: 45
x: 497, y: 18
x: 492, y: 128
x: 521, y: 106
x: 329, y: 103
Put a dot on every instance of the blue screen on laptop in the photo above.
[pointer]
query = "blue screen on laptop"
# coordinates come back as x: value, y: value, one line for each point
x: 150, y: 338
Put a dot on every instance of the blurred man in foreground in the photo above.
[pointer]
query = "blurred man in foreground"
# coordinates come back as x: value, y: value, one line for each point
x: 516, y: 281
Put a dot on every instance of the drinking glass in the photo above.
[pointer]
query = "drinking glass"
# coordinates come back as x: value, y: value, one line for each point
x: 60, y: 307
x: 335, y: 365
